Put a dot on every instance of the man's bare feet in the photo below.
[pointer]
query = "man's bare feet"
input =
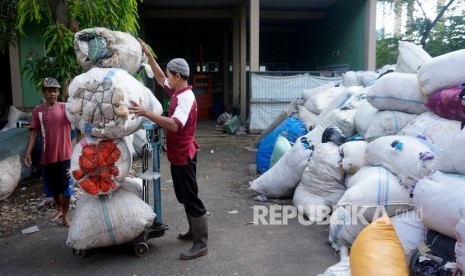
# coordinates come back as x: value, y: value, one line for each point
x: 65, y: 221
x: 58, y: 215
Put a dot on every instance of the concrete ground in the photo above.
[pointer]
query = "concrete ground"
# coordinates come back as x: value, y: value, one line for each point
x: 236, y: 245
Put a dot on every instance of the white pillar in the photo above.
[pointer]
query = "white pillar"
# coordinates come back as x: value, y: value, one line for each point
x: 225, y: 71
x: 236, y: 55
x: 243, y: 62
x: 254, y: 35
x: 15, y: 70
x: 370, y: 35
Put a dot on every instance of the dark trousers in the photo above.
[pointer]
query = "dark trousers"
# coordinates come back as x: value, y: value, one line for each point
x: 57, y: 177
x: 186, y: 189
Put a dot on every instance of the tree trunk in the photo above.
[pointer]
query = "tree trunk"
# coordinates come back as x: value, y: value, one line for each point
x: 59, y: 9
x: 409, y: 23
x: 398, y: 18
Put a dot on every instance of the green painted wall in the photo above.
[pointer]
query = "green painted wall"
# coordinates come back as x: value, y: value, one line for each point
x: 342, y: 30
x: 32, y: 42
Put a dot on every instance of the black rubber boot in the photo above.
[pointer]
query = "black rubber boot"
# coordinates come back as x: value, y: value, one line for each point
x: 200, y: 237
x: 188, y: 234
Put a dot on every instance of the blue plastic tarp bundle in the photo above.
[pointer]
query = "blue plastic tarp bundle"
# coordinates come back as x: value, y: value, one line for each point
x: 291, y: 129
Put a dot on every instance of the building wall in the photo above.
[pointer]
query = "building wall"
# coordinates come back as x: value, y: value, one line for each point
x: 338, y: 39
x: 32, y: 42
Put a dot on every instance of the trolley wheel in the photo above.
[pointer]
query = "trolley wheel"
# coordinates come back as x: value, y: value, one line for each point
x: 141, y: 249
x: 80, y: 254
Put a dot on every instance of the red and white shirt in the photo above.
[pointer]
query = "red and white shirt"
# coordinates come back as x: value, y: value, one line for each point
x: 181, y: 144
x: 55, y: 133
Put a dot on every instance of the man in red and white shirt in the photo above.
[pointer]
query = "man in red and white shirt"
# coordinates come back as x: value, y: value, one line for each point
x: 181, y: 147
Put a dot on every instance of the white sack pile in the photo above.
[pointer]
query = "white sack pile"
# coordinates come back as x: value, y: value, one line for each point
x: 372, y: 123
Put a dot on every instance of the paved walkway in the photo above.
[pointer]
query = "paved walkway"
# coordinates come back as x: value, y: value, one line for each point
x: 236, y: 246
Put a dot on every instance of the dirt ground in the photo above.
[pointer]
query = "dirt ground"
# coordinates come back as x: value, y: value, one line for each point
x: 236, y: 245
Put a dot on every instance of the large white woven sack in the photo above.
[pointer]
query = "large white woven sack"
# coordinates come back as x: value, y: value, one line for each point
x: 343, y: 119
x: 442, y: 71
x: 410, y: 158
x: 99, y: 99
x: 309, y: 92
x: 410, y: 57
x: 452, y: 158
x: 397, y: 92
x: 410, y: 230
x: 115, y: 50
x: 109, y: 220
x: 305, y: 116
x: 344, y: 227
x: 437, y: 130
x: 10, y: 174
x: 281, y: 180
x: 319, y: 101
x: 350, y: 78
x: 364, y: 117
x: 353, y: 156
x: 322, y: 183
x: 374, y: 191
x: 351, y: 98
x: 439, y: 199
x: 371, y: 123
x: 460, y: 245
x: 98, y: 159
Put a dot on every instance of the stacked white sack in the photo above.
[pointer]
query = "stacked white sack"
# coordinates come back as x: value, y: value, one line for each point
x: 437, y: 130
x: 322, y: 183
x: 99, y: 99
x: 410, y: 158
x: 105, y: 221
x: 442, y: 71
x: 410, y: 230
x: 452, y: 159
x: 281, y: 180
x: 115, y: 50
x: 353, y: 156
x: 306, y: 117
x: 410, y: 57
x: 397, y: 92
x: 376, y: 190
x: 317, y: 102
x: 439, y: 199
x: 371, y: 192
x: 340, y: 113
x: 372, y: 124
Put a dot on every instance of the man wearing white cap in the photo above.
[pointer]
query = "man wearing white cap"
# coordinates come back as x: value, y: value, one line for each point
x: 181, y: 147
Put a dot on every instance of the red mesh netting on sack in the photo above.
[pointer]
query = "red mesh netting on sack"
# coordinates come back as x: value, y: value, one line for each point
x: 100, y: 165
